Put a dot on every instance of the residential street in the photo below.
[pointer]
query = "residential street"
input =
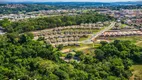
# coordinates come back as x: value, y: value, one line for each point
x: 94, y: 36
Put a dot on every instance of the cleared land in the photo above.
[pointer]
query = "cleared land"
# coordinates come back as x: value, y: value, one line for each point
x: 137, y: 73
x: 81, y: 47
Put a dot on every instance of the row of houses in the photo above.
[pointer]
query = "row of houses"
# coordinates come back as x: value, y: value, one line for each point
x: 65, y: 35
x: 58, y: 30
x: 56, y: 39
x: 62, y: 33
x: 65, y: 39
x: 120, y: 26
x: 16, y: 17
x: 73, y: 43
x: 121, y: 33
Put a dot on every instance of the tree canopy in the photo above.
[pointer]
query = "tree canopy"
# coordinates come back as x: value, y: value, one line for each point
x: 51, y: 22
x: 26, y: 59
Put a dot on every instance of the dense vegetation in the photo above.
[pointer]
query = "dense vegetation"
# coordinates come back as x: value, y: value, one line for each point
x: 25, y: 59
x: 51, y: 22
x: 23, y: 8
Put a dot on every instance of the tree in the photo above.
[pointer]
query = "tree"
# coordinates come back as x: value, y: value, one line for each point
x: 103, y: 43
x: 69, y: 55
x: 52, y: 77
x: 25, y: 38
x: 62, y: 74
x: 78, y: 53
x: 99, y: 54
x: 5, y: 23
x: 60, y: 47
x: 13, y: 37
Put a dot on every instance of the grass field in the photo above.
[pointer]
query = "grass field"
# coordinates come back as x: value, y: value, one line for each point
x: 78, y: 47
x: 82, y: 47
x: 139, y: 43
x: 135, y: 39
x: 137, y: 71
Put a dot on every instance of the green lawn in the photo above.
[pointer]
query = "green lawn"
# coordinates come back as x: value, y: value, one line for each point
x: 97, y: 45
x: 83, y: 38
x: 123, y: 25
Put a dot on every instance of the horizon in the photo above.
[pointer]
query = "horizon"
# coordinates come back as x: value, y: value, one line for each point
x: 38, y: 1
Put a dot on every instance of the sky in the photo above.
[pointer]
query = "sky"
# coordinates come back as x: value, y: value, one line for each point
x: 65, y: 0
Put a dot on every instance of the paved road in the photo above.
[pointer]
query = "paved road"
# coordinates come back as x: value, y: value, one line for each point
x: 94, y: 36
x: 104, y: 30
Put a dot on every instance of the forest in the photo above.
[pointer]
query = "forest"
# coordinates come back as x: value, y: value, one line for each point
x: 23, y: 58
x: 24, y: 9
x: 51, y: 22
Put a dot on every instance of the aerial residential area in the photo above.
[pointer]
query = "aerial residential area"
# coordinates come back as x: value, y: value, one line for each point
x: 68, y: 40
